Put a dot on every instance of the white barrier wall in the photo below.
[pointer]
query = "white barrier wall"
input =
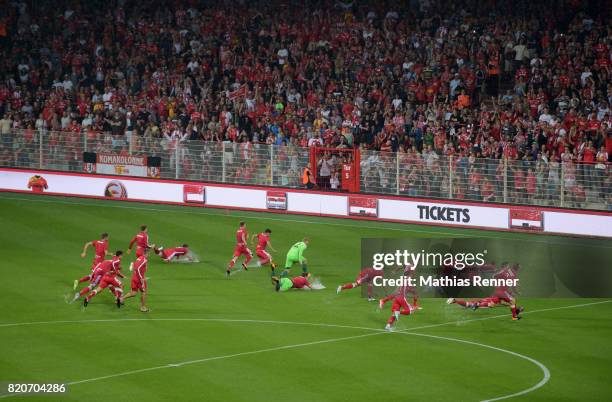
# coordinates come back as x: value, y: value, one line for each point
x: 578, y: 224
x: 307, y: 202
x: 446, y: 214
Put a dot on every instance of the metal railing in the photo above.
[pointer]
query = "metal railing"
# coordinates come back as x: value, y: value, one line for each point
x: 540, y: 182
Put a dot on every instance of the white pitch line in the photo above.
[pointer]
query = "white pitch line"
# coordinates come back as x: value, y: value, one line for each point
x: 18, y: 324
x: 222, y: 357
x: 314, y: 324
x: 542, y: 367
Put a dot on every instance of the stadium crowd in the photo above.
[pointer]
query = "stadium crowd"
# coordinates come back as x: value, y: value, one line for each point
x: 469, y: 82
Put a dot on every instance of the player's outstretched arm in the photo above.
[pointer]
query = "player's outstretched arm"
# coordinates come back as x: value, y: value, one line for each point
x: 85, y: 247
x: 129, y: 250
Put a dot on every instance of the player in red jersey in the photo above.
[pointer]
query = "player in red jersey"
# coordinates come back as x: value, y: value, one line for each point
x: 139, y: 280
x: 109, y: 280
x: 367, y: 276
x: 263, y: 241
x: 98, y: 273
x: 101, y: 251
x: 38, y: 184
x: 284, y: 284
x: 141, y: 240
x: 175, y: 253
x: 503, y: 295
x: 400, y: 304
x: 241, y: 249
x: 486, y: 302
x: 96, y: 276
x: 408, y: 290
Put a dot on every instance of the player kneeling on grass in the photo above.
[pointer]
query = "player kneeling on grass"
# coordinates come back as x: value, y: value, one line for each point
x: 181, y: 253
x: 139, y: 281
x: 295, y: 255
x: 299, y: 282
x: 109, y: 280
x: 366, y: 276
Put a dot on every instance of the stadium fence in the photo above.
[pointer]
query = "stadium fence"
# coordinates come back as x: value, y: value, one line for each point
x: 563, y: 183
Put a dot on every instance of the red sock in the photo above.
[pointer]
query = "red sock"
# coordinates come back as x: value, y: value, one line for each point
x: 405, y: 311
x: 483, y: 304
x: 248, y: 259
x: 513, y: 309
x: 461, y: 302
x: 118, y: 293
x: 231, y: 264
x: 391, y: 320
x: 85, y: 278
x: 264, y: 261
x: 91, y: 295
x: 387, y: 298
x: 347, y: 286
x: 415, y: 301
x: 84, y: 291
x: 370, y: 291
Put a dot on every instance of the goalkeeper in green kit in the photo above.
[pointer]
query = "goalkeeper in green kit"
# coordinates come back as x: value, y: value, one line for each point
x: 296, y: 254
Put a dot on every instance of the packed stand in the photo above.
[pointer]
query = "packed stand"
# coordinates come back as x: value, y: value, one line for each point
x: 464, y: 97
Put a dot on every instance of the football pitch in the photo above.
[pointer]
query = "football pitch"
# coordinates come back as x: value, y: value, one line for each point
x: 216, y: 339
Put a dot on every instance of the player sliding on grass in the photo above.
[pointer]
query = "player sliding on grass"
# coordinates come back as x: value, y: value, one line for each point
x: 241, y: 249
x: 263, y: 241
x: 284, y: 284
x: 100, y: 251
x: 503, y: 295
x: 295, y: 255
x: 367, y: 276
x: 139, y: 281
x: 141, y: 240
x: 109, y: 280
x: 174, y: 254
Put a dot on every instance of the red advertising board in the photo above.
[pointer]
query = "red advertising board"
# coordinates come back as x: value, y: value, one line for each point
x: 524, y: 218
x: 276, y: 200
x: 363, y: 206
x: 194, y: 193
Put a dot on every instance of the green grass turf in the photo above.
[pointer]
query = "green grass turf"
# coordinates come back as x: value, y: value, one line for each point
x: 264, y: 354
